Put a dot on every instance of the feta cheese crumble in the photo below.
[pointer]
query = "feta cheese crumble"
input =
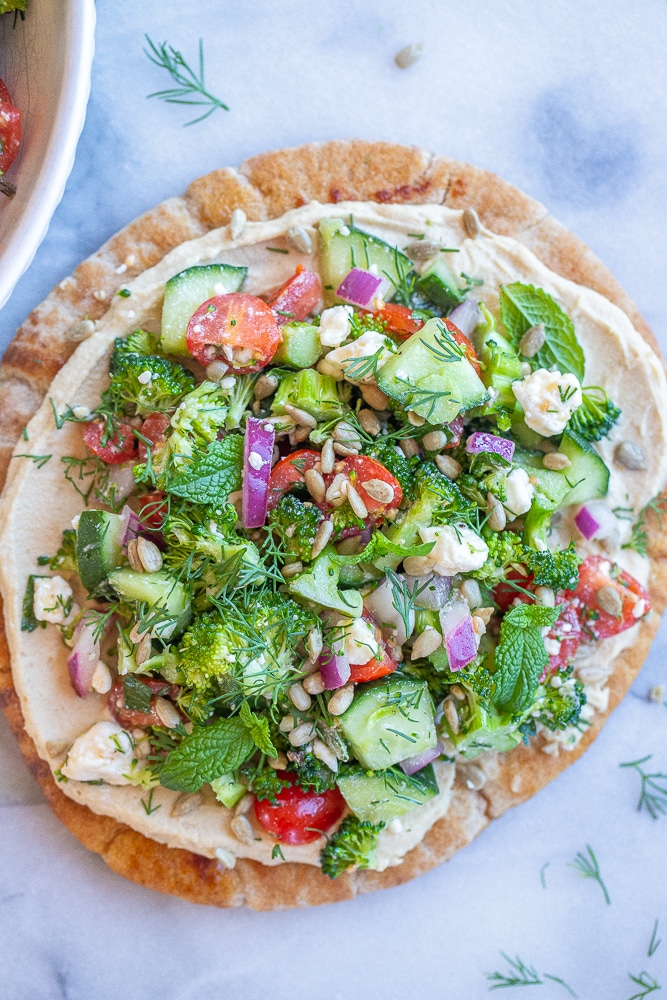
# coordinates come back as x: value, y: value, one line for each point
x: 457, y: 549
x: 548, y: 399
x: 359, y: 642
x: 369, y: 343
x: 335, y: 325
x: 53, y: 599
x: 103, y: 753
x: 518, y: 492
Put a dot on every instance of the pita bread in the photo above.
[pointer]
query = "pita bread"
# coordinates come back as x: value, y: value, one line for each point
x: 265, y: 187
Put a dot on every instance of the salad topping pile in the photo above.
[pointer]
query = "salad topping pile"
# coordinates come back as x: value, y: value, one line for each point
x: 327, y: 552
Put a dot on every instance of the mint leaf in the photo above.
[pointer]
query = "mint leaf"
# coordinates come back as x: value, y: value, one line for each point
x: 521, y: 656
x: 137, y: 694
x: 206, y: 753
x: 258, y: 727
x: 211, y: 478
x: 380, y: 545
x: 523, y: 306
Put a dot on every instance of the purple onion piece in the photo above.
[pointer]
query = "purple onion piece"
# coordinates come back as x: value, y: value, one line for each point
x: 460, y: 639
x: 257, y: 457
x: 413, y: 764
x: 479, y: 441
x: 586, y: 523
x: 466, y: 316
x: 359, y: 287
x: 83, y: 659
x: 130, y: 525
x: 335, y: 669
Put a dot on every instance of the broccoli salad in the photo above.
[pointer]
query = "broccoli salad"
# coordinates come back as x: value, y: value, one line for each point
x: 338, y: 537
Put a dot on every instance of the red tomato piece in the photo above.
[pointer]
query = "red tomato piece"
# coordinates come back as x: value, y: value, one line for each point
x: 375, y: 667
x: 153, y: 510
x: 237, y: 329
x: 129, y: 717
x: 595, y: 573
x: 119, y: 447
x: 361, y: 469
x: 299, y: 817
x: 10, y: 129
x: 297, y: 298
x: 567, y: 631
x: 455, y: 428
x: 399, y: 319
x: 288, y: 472
x: 465, y: 343
x: 155, y: 429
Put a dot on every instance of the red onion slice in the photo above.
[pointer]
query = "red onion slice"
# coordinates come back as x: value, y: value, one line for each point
x: 257, y: 456
x: 359, y: 287
x: 460, y: 639
x: 595, y: 520
x: 83, y: 659
x: 466, y: 316
x: 413, y: 764
x: 479, y: 441
x: 586, y: 523
x: 335, y: 669
x: 130, y: 525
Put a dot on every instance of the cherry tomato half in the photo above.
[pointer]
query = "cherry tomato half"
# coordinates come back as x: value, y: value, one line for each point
x: 297, y: 298
x: 377, y: 666
x: 595, y: 573
x: 288, y: 472
x: 465, y: 343
x: 119, y: 447
x: 399, y: 319
x: 566, y: 631
x: 362, y: 469
x: 154, y: 428
x: 238, y: 329
x: 299, y: 817
x: 10, y: 129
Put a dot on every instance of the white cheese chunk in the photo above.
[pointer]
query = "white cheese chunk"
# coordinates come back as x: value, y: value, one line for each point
x: 518, y: 492
x: 369, y: 343
x: 359, y: 642
x: 104, y: 753
x: 548, y: 399
x: 335, y: 325
x: 457, y: 549
x: 53, y: 599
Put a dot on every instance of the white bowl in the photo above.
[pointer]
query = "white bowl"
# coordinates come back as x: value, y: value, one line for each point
x: 45, y: 61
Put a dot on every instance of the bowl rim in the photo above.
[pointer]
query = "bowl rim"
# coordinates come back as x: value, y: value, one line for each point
x: 22, y: 245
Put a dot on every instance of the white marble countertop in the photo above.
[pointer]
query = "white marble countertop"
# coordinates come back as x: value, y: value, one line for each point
x: 565, y: 99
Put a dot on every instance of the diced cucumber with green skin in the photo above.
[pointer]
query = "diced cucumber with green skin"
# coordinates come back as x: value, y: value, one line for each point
x: 185, y: 292
x: 380, y: 796
x: 429, y: 376
x: 159, y: 591
x: 438, y: 284
x: 98, y: 546
x: 300, y: 347
x: 310, y: 391
x: 228, y: 790
x: 588, y: 474
x: 320, y: 585
x: 389, y: 720
x: 341, y: 251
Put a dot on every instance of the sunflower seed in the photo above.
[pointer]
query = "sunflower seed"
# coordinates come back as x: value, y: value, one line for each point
x: 327, y: 457
x: 472, y: 593
x: 133, y: 556
x: 300, y: 416
x: 434, y: 440
x: 314, y: 643
x: 80, y: 331
x: 298, y: 239
x: 187, y: 803
x: 630, y: 456
x: 609, y: 600
x: 149, y: 554
x: 286, y: 724
x: 456, y: 691
x: 315, y: 484
x: 379, y: 490
x: 355, y: 501
x: 242, y: 830
x: 416, y: 419
x: 322, y: 536
x: 244, y: 804
x: 373, y: 395
x: 225, y: 857
x: 369, y: 422
x: 278, y: 763
x: 144, y: 650
x: 452, y: 716
x: 302, y: 734
x: 556, y: 461
x: 471, y: 223
x: 167, y: 713
x: 101, y: 680
x: 314, y: 684
x: 216, y: 371
x: 345, y: 450
x: 448, y: 466
x: 237, y: 223
x: 265, y: 386
x: 426, y: 643
x: 300, y: 697
x: 496, y: 511
x: 327, y: 756
x: 408, y: 55
x: 409, y: 447
x: 533, y: 340
x: 292, y: 569
x: 299, y: 434
x: 344, y: 433
x: 422, y: 249
x: 335, y: 487
x: 341, y: 700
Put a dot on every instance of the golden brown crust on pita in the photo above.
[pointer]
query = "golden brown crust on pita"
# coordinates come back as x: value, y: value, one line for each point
x: 265, y: 187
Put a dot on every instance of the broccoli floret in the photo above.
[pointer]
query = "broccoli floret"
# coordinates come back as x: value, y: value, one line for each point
x: 196, y: 422
x: 295, y: 523
x: 264, y: 782
x: 202, y: 542
x: 505, y: 547
x: 556, y: 708
x: 65, y: 557
x: 351, y: 847
x: 208, y: 650
x: 144, y: 383
x: 137, y: 342
x: 240, y: 397
x: 558, y: 570
x: 399, y: 466
x: 449, y: 504
x: 311, y: 773
x: 16, y: 5
x: 596, y: 415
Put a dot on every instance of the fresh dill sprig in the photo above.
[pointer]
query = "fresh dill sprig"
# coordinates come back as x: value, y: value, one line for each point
x: 588, y: 867
x: 639, y: 537
x: 358, y: 369
x: 39, y: 460
x: 149, y: 808
x: 446, y: 349
x: 648, y: 984
x: 277, y: 852
x: 423, y: 397
x: 653, y: 794
x: 190, y: 88
x: 404, y: 597
x: 543, y: 869
x: 520, y: 974
x: 655, y: 941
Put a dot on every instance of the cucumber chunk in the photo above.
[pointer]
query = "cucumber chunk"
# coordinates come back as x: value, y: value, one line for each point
x: 228, y: 790
x: 341, y: 251
x: 430, y: 377
x: 98, y: 546
x: 320, y: 585
x: 438, y: 284
x: 588, y: 475
x: 300, y: 347
x: 160, y: 591
x: 185, y: 292
x: 389, y: 720
x: 380, y: 796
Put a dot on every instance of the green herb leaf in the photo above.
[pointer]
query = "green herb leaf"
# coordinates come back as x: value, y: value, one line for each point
x: 211, y: 478
x: 206, y: 753
x: 137, y: 694
x: 258, y: 727
x: 380, y: 545
x: 523, y: 306
x: 28, y: 621
x: 520, y: 655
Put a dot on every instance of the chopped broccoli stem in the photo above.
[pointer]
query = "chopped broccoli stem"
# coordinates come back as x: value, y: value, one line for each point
x: 310, y: 391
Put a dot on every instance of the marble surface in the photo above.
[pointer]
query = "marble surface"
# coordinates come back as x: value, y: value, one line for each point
x: 566, y: 99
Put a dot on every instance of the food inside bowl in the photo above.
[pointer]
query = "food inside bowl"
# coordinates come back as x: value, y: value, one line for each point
x: 10, y: 138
